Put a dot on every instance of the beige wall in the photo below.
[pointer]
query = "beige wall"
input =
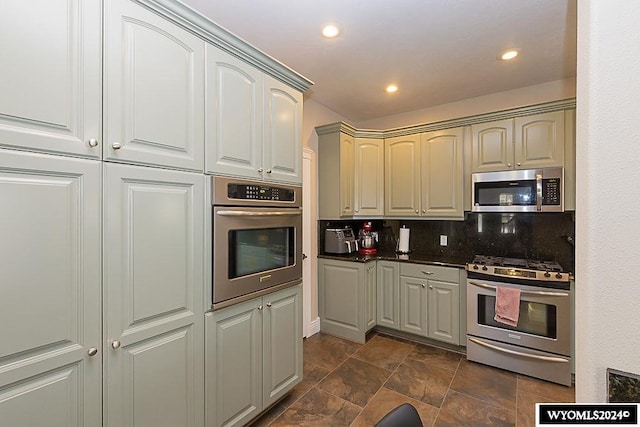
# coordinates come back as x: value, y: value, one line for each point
x: 607, y: 205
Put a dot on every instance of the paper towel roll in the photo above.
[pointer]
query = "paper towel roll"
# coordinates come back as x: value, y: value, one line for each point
x: 403, y: 243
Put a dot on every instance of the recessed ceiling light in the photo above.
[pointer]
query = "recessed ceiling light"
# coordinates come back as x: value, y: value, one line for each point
x: 392, y: 88
x: 510, y: 54
x: 330, y: 31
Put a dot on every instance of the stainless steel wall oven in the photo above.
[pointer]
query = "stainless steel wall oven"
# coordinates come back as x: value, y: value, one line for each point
x: 540, y: 344
x: 257, y: 238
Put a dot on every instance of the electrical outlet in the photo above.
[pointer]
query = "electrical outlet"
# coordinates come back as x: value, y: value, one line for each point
x: 443, y: 240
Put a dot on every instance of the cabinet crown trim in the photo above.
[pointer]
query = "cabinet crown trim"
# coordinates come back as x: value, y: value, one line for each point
x: 211, y: 32
x: 564, y: 104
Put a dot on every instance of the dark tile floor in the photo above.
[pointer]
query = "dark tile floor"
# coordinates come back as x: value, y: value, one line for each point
x: 350, y: 384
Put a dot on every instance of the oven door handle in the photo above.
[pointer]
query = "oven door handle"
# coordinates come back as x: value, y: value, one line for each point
x: 292, y: 212
x: 517, y: 353
x: 543, y: 293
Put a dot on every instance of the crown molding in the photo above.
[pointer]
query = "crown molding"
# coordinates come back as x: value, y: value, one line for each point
x: 203, y: 27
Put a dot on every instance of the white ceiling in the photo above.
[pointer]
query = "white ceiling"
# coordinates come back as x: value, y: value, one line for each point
x: 436, y: 51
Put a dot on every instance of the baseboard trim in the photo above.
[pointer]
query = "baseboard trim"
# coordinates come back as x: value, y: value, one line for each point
x: 314, y: 327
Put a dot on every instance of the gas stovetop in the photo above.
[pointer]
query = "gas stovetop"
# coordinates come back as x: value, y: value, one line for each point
x: 549, y: 271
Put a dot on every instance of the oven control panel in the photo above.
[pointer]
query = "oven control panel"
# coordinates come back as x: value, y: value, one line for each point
x: 259, y: 192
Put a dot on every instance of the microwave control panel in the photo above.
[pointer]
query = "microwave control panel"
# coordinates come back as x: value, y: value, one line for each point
x: 259, y: 192
x: 551, y: 191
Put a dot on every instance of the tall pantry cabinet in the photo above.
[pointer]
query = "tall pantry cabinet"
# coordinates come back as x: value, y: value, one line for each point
x: 102, y: 266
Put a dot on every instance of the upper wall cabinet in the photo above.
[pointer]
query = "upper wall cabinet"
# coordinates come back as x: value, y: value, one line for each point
x: 521, y: 143
x: 50, y: 80
x: 153, y: 89
x: 254, y: 122
x: 423, y: 175
x: 402, y: 176
x: 282, y: 150
x: 234, y: 116
x: 358, y: 189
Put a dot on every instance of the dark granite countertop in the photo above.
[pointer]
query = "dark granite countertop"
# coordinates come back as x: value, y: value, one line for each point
x: 413, y: 257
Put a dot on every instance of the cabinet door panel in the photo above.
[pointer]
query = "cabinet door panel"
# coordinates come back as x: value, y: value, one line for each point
x: 234, y: 364
x: 388, y: 283
x: 370, y: 295
x: 492, y: 146
x: 369, y: 177
x: 283, y: 132
x: 234, y: 116
x: 346, y: 160
x: 540, y: 140
x: 413, y: 296
x: 444, y: 314
x: 282, y: 343
x: 51, y: 91
x: 153, y: 283
x: 402, y: 176
x: 50, y: 300
x: 154, y: 89
x: 442, y: 174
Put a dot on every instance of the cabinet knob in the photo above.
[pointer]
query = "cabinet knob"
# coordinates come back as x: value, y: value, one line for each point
x: 518, y: 164
x: 260, y: 170
x: 424, y: 286
x: 116, y: 146
x: 424, y: 211
x: 260, y: 307
x: 115, y: 344
x: 428, y: 273
x: 417, y: 211
x: 93, y: 143
x: 269, y: 304
x: 508, y: 164
x: 430, y: 286
x: 268, y: 170
x: 92, y: 351
x: 356, y: 211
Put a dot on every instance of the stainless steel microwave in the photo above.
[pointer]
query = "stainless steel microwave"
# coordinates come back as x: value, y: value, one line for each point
x: 526, y: 190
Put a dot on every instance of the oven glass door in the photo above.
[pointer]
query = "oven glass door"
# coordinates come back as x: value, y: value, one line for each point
x: 536, y: 318
x: 254, y: 249
x: 260, y: 250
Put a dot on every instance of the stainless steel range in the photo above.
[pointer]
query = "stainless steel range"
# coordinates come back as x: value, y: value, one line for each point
x: 539, y: 345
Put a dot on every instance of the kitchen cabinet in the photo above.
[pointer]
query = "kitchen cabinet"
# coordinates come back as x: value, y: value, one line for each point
x: 153, y: 89
x: 388, y: 288
x: 153, y: 323
x: 254, y: 122
x: 525, y: 142
x: 430, y: 301
x: 402, y: 176
x: 442, y: 173
x: 368, y: 184
x: 234, y: 116
x: 423, y: 175
x: 335, y: 174
x: 50, y: 276
x: 52, y: 90
x: 358, y: 190
x: 346, y: 304
x: 254, y: 356
x: 282, y: 150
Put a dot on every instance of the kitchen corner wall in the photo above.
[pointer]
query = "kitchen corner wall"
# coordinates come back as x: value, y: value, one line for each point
x: 544, y: 236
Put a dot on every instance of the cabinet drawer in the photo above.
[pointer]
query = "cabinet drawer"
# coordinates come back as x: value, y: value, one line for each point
x: 430, y: 272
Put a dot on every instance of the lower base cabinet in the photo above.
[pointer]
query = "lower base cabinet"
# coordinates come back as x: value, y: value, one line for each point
x: 253, y: 356
x: 347, y: 298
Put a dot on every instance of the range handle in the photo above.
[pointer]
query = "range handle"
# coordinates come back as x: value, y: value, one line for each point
x: 543, y: 293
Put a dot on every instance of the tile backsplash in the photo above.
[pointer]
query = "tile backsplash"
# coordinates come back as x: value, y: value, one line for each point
x: 544, y: 236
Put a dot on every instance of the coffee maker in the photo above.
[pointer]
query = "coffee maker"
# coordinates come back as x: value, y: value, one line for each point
x: 368, y: 239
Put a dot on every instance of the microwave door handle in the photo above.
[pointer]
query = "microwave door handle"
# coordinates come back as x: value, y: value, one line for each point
x: 539, y: 192
x: 292, y: 212
x: 542, y: 293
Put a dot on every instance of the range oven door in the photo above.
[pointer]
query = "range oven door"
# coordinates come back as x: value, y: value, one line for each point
x: 254, y: 249
x: 544, y: 319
